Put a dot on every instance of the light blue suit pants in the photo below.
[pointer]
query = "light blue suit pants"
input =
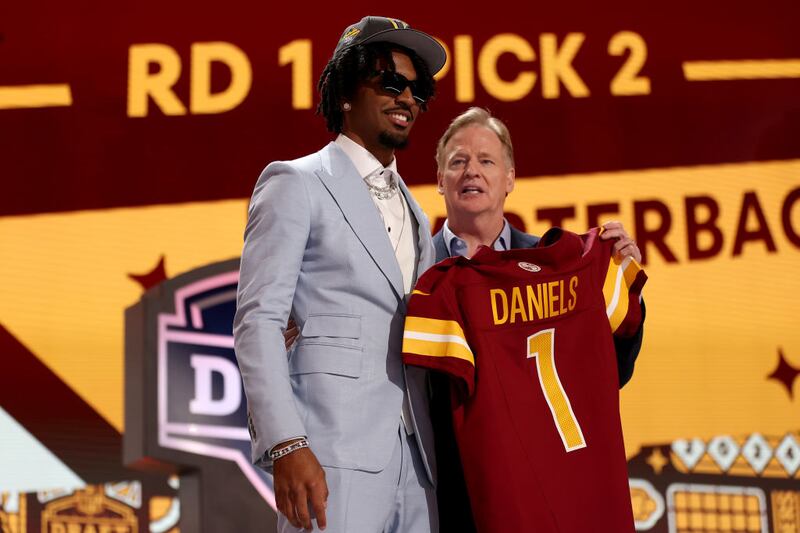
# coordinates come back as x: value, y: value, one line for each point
x: 398, y: 499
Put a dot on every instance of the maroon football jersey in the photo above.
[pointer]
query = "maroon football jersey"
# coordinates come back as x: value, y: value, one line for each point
x: 526, y: 336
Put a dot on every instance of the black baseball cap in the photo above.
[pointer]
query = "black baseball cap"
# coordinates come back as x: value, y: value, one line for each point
x: 373, y: 29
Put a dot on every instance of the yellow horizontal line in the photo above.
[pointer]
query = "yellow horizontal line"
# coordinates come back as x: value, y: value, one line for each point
x: 741, y: 70
x: 25, y: 96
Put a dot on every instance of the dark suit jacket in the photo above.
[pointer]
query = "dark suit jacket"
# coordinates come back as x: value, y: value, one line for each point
x: 455, y: 514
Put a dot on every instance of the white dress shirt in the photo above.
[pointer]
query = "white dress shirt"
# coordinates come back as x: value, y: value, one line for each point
x: 400, y: 224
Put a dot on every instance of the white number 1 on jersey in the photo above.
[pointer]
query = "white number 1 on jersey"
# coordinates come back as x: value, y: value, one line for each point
x: 541, y: 346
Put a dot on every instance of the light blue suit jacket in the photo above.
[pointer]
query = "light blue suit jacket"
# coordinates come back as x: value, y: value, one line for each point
x: 316, y: 249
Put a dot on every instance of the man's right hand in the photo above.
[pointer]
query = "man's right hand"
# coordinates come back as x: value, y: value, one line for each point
x: 300, y: 480
x: 290, y: 334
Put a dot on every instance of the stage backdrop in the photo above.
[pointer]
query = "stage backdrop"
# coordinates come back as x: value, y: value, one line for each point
x: 131, y: 136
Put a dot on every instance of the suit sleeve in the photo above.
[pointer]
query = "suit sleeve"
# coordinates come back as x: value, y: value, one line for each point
x: 434, y: 336
x: 628, y: 350
x: 278, y: 226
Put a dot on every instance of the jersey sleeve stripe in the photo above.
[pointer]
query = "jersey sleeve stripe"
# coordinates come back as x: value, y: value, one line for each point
x: 617, y: 315
x: 426, y: 344
x: 619, y: 278
x: 437, y: 338
x: 435, y: 326
x: 632, y: 272
x: 611, y: 286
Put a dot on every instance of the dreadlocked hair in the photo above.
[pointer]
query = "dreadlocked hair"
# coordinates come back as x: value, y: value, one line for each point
x: 351, y: 67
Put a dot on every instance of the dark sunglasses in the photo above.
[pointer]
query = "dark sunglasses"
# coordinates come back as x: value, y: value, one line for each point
x: 395, y: 83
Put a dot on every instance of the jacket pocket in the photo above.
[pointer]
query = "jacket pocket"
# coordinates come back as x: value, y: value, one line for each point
x: 316, y: 358
x: 331, y: 325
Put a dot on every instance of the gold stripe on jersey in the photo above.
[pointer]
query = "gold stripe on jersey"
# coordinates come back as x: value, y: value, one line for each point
x: 436, y: 338
x: 619, y: 277
x: 541, y: 346
x: 631, y: 272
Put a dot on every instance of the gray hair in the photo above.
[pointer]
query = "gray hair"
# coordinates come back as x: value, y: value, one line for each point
x: 480, y: 117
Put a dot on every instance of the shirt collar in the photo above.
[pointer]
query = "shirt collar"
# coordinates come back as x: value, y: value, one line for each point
x: 457, y: 246
x: 365, y: 163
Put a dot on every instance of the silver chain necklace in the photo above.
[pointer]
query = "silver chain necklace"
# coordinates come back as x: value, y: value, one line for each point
x: 383, y: 193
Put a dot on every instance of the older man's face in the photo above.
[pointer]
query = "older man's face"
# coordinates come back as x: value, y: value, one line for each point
x: 476, y: 176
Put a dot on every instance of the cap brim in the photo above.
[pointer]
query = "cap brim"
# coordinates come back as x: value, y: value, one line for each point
x: 425, y: 46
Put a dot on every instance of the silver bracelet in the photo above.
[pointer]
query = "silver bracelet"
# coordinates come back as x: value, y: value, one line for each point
x: 289, y: 448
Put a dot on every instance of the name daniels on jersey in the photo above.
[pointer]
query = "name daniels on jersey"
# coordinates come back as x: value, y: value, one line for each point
x: 533, y: 302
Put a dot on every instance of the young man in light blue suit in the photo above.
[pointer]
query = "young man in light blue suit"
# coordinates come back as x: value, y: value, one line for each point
x: 336, y: 241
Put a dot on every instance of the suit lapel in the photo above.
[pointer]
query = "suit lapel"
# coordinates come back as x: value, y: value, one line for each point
x: 341, y: 178
x: 522, y: 240
x: 439, y: 246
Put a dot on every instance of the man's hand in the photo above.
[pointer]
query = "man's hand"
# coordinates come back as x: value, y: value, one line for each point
x: 299, y: 479
x: 625, y: 246
x: 290, y: 334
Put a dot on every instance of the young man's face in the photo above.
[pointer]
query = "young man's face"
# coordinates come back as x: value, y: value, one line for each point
x: 476, y: 176
x: 380, y: 119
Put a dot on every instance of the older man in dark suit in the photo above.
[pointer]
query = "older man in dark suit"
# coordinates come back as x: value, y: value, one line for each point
x: 476, y: 173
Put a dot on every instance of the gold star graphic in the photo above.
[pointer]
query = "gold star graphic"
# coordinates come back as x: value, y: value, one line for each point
x: 785, y: 373
x: 657, y: 461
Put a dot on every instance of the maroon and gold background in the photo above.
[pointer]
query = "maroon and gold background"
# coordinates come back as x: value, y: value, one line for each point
x: 131, y: 136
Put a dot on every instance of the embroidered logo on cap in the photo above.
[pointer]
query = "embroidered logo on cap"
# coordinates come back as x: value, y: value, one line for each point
x: 350, y: 35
